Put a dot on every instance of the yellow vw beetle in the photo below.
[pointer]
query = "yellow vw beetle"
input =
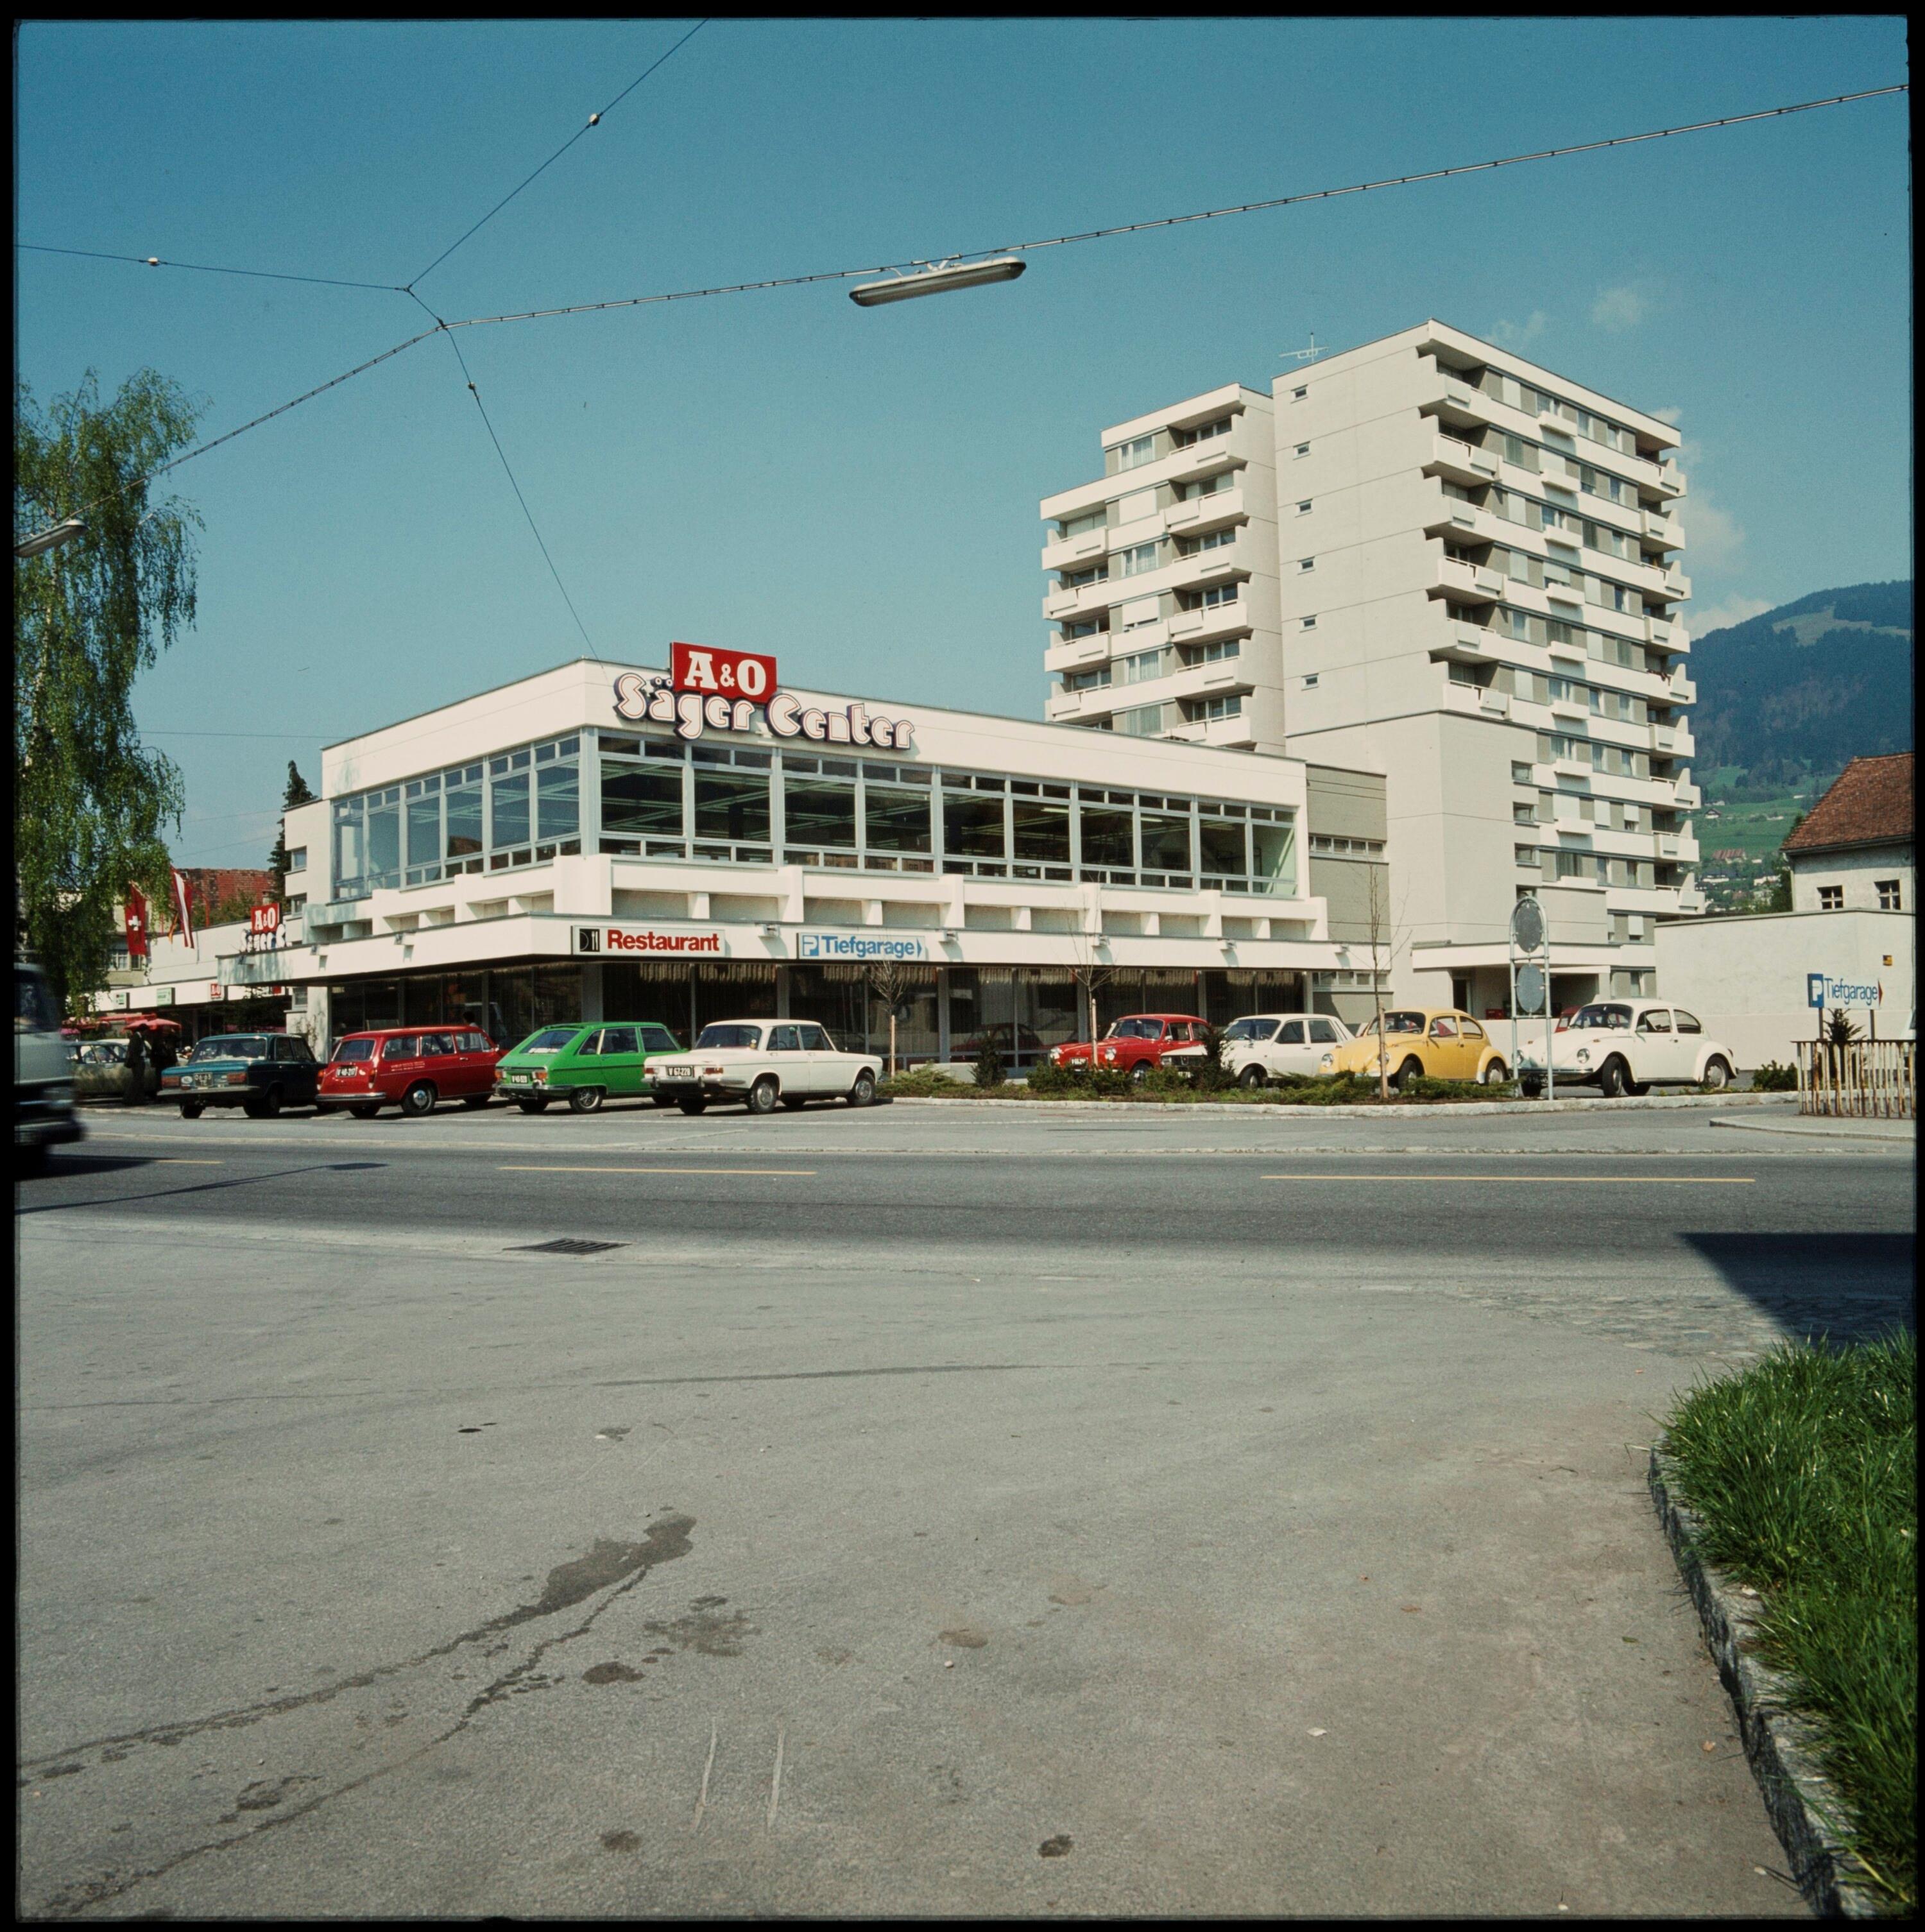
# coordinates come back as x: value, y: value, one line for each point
x: 1432, y: 1042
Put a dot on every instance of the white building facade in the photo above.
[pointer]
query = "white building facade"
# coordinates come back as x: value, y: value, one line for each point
x: 1430, y: 559
x: 588, y: 843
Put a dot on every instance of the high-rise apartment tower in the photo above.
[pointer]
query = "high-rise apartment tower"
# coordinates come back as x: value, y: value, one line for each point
x: 1429, y: 558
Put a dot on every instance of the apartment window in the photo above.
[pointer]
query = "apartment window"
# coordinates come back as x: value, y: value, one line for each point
x: 1206, y: 486
x: 1074, y: 579
x: 296, y: 903
x: 1194, y: 655
x: 1146, y: 720
x: 1520, y: 772
x: 1138, y: 451
x: 1206, y: 709
x: 1527, y: 855
x: 1077, y: 526
x: 1186, y: 437
x: 1303, y: 508
x: 1890, y: 898
x: 1215, y: 540
x: 1086, y: 680
x: 1523, y: 812
x: 1310, y: 682
x: 1208, y: 600
x: 1303, y: 449
x: 1084, y: 627
x: 1297, y: 395
x: 1132, y: 562
x: 297, y: 860
x: 1309, y: 623
x: 1306, y: 563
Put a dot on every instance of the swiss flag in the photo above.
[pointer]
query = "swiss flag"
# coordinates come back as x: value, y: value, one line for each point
x: 134, y: 911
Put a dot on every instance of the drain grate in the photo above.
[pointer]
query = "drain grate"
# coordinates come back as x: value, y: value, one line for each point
x: 568, y: 1245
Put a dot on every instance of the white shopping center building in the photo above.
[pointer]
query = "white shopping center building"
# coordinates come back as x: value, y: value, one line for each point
x: 551, y: 850
x: 1430, y: 558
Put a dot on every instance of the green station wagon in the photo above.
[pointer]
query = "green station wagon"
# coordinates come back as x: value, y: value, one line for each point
x: 582, y: 1065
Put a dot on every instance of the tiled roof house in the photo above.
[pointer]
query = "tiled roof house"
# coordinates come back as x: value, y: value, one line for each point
x: 1855, y: 849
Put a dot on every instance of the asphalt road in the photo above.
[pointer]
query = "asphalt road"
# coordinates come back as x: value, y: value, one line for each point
x: 913, y: 1511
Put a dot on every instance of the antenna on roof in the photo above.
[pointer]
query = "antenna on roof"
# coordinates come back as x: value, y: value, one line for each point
x: 1309, y: 354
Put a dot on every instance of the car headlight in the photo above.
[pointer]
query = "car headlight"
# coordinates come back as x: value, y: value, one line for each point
x: 1583, y: 1056
x: 1329, y: 1060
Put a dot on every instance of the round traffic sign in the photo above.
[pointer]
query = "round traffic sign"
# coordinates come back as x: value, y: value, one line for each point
x: 1527, y: 925
x: 1530, y: 989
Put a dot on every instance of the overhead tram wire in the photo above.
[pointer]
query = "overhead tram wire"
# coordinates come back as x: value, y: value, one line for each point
x: 1019, y: 247
x: 593, y: 120
x: 211, y: 268
x: 1178, y: 220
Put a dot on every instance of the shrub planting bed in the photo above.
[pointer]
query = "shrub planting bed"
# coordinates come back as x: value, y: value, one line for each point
x: 1051, y: 1083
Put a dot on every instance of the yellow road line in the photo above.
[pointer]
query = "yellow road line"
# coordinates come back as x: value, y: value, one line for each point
x: 793, y: 1173
x: 182, y: 1160
x: 1550, y: 1179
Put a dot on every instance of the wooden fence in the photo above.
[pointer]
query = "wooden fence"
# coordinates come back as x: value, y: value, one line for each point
x: 1873, y: 1077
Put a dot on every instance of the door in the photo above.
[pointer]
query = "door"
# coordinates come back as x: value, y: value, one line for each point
x: 1290, y: 1053
x: 477, y: 1062
x: 1476, y: 1040
x: 298, y: 1071
x: 401, y: 1064
x: 829, y: 1072
x: 1326, y: 1037
x: 1443, y: 1051
x: 441, y: 1061
x: 1690, y: 1043
x: 792, y: 1066
x: 619, y: 1059
x: 1654, y: 1051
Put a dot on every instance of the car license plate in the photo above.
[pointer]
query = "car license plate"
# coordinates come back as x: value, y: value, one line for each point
x: 677, y: 1073
x: 516, y: 1086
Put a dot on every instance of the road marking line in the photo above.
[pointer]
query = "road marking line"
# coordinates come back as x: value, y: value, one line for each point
x: 182, y: 1160
x: 1559, y: 1179
x: 793, y: 1173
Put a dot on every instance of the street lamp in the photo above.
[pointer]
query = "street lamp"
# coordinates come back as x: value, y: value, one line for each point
x: 47, y: 540
x: 937, y: 278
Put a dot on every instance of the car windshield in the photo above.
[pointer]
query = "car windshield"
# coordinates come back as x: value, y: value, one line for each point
x: 233, y: 1046
x: 355, y: 1049
x: 1250, y: 1029
x: 550, y: 1040
x: 1609, y: 1018
x: 1136, y: 1029
x: 730, y: 1035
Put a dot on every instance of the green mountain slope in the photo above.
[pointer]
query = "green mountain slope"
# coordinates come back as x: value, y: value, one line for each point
x: 1793, y: 695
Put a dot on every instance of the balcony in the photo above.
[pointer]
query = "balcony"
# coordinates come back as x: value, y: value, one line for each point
x: 1058, y: 603
x: 1475, y: 583
x: 1690, y: 900
x: 1200, y: 459
x: 1685, y: 794
x: 1670, y: 483
x: 1664, y: 738
x: 1061, y: 704
x: 1682, y: 743
x: 1451, y: 457
x: 1075, y: 653
x: 1066, y: 553
x: 1683, y: 690
x: 1467, y: 643
x: 1677, y: 585
x: 1663, y: 530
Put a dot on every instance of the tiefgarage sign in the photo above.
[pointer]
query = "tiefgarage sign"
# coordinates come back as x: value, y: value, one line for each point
x: 713, y: 690
x: 858, y: 946
x: 611, y: 938
x: 1822, y: 990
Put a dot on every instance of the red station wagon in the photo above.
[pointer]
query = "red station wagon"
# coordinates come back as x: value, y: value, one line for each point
x: 410, y: 1067
x: 1134, y: 1044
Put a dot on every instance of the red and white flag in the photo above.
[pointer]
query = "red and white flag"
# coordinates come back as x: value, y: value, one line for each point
x: 133, y: 910
x: 183, y: 908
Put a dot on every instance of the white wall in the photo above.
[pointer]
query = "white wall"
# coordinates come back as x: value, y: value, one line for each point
x: 1859, y: 873
x: 1745, y: 978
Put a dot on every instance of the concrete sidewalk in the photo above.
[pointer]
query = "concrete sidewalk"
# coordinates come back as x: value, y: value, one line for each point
x: 1899, y: 1134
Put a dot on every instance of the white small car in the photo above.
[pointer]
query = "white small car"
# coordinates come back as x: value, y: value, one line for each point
x: 1260, y: 1046
x: 763, y: 1062
x: 1626, y: 1046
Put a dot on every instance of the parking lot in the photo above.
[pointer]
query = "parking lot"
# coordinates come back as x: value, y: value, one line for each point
x: 922, y: 1509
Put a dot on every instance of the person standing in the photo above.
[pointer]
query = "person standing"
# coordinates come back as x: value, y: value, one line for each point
x: 136, y: 1068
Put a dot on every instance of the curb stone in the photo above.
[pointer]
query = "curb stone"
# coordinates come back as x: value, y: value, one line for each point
x: 1521, y: 1109
x: 1779, y: 1743
x: 1813, y: 1126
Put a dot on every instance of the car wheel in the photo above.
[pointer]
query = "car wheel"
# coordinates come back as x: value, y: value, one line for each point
x: 532, y: 1106
x: 419, y: 1101
x: 1611, y: 1081
x: 1413, y: 1069
x: 585, y: 1099
x: 693, y: 1106
x: 1531, y: 1085
x: 1252, y: 1075
x: 863, y: 1093
x: 475, y: 1100
x: 1638, y: 1089
x: 793, y: 1102
x: 663, y: 1100
x: 364, y: 1113
x: 1717, y: 1074
x: 1139, y: 1073
x: 191, y: 1110
x: 1496, y: 1074
x: 762, y: 1097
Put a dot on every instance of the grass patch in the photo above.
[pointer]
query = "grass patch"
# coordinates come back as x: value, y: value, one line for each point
x: 1802, y: 1472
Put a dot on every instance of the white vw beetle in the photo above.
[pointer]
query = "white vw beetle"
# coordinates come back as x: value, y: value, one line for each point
x: 1628, y: 1046
x: 761, y: 1062
x: 1260, y: 1046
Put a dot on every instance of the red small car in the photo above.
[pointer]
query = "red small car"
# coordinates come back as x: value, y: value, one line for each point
x: 1134, y: 1044
x: 410, y: 1067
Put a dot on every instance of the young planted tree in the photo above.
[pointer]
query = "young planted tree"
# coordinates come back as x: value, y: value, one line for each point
x: 296, y: 793
x: 1377, y: 913
x: 888, y: 981
x: 90, y: 801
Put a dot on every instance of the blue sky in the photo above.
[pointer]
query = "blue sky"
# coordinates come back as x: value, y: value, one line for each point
x: 855, y: 490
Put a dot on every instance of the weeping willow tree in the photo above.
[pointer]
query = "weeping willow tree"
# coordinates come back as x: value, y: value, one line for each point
x: 90, y: 801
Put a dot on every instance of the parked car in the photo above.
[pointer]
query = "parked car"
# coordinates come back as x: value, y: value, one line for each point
x: 410, y: 1067
x: 101, y: 1071
x: 43, y: 1114
x: 1423, y: 1042
x: 1013, y: 1042
x: 582, y: 1065
x: 1260, y: 1046
x: 259, y: 1072
x: 1134, y: 1044
x: 1629, y: 1046
x: 761, y: 1062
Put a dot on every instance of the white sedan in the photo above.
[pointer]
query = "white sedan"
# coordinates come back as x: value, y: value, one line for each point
x: 1260, y: 1046
x: 762, y: 1063
x: 1627, y: 1046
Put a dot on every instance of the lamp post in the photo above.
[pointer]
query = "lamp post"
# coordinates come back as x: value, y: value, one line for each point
x: 50, y: 539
